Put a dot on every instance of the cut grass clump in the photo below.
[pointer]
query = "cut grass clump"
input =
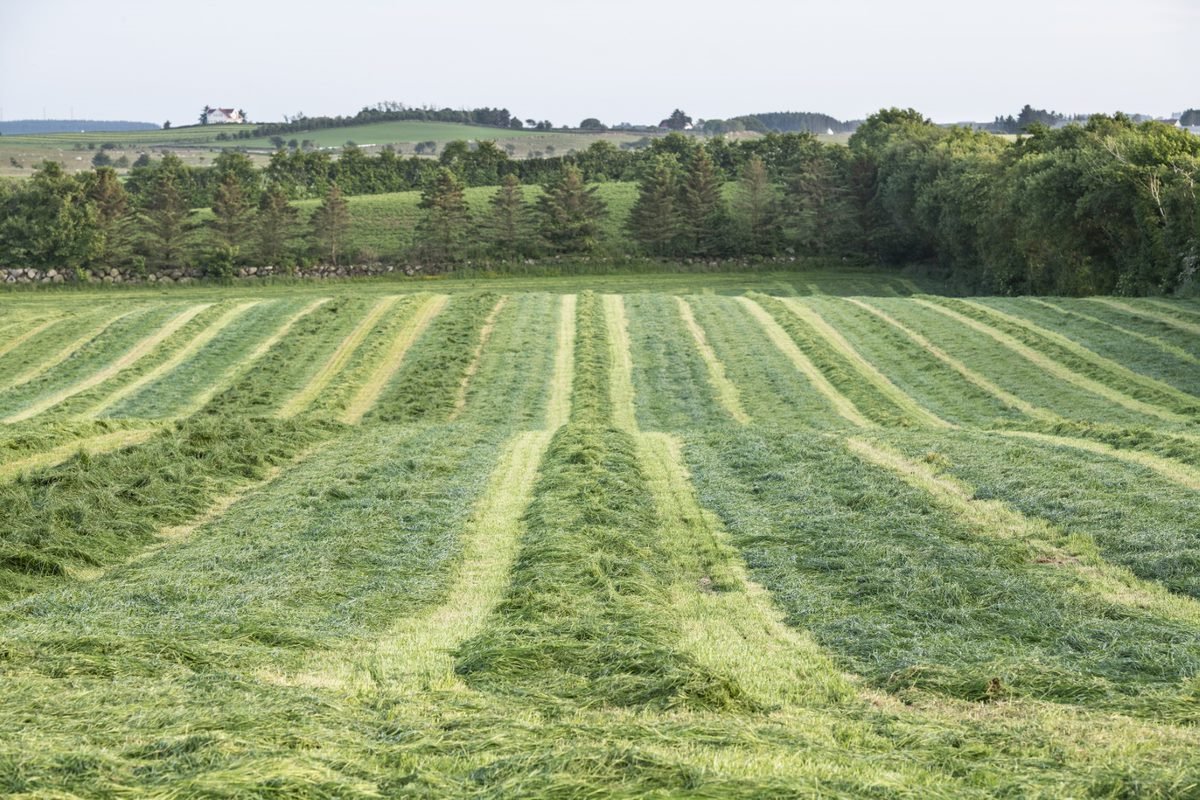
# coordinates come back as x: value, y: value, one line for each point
x: 586, y: 619
x: 95, y: 510
x: 590, y: 396
x: 427, y: 384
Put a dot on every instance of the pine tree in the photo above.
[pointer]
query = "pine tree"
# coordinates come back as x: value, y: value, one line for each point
x: 570, y: 213
x: 276, y: 224
x: 705, y: 219
x: 233, y: 217
x: 817, y: 202
x: 655, y: 221
x: 508, y: 221
x: 329, y: 224
x: 111, y: 202
x: 757, y: 208
x: 165, y: 216
x: 443, y: 229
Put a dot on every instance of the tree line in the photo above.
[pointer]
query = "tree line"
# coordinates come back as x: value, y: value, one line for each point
x: 1108, y: 206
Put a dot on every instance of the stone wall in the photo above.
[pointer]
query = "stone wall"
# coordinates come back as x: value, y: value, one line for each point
x: 182, y: 276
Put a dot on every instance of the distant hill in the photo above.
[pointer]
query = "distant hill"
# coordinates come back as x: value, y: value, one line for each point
x: 27, y: 127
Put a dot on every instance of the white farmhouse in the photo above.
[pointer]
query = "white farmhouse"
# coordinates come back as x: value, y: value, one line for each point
x: 224, y: 115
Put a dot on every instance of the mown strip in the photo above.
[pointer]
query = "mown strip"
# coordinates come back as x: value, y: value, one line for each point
x: 620, y: 387
x: 909, y: 595
x: 974, y: 378
x: 1085, y: 363
x: 485, y: 333
x: 12, y: 344
x: 670, y: 379
x: 585, y: 618
x: 727, y: 392
x: 338, y: 359
x: 91, y: 445
x: 289, y: 364
x: 129, y: 358
x: 1133, y: 516
x: 727, y: 621
x: 1158, y: 316
x: 98, y: 509
x: 782, y: 339
x: 1054, y: 367
x: 212, y: 331
x: 1154, y: 341
x: 769, y: 385
x: 864, y: 368
x: 37, y: 364
x: 426, y: 384
x: 231, y: 373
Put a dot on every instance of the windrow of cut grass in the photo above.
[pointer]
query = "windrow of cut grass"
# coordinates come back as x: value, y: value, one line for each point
x: 920, y: 369
x: 147, y: 349
x: 1136, y: 517
x: 1075, y: 364
x: 288, y: 366
x: 519, y: 366
x: 425, y: 386
x: 907, y: 594
x: 770, y: 385
x: 164, y: 353
x: 96, y: 510
x: 1173, y: 315
x: 585, y: 619
x: 186, y: 386
x: 1135, y: 327
x: 1039, y: 389
x: 675, y: 387
x: 1159, y: 361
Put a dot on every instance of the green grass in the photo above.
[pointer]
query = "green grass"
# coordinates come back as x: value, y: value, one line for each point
x: 470, y: 537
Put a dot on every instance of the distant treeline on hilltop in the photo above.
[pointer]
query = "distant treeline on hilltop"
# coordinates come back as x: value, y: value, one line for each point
x: 19, y: 127
x: 781, y: 122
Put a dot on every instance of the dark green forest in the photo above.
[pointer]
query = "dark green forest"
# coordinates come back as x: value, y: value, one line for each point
x: 1105, y: 206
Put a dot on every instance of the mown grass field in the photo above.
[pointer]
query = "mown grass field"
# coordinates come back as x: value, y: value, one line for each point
x: 756, y: 535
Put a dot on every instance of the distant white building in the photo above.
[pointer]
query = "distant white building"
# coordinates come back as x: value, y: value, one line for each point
x: 224, y: 115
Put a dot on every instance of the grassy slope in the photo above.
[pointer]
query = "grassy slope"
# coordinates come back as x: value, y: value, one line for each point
x: 972, y: 614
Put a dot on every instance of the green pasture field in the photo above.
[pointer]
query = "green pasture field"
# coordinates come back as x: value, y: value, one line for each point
x: 198, y: 145
x: 818, y: 533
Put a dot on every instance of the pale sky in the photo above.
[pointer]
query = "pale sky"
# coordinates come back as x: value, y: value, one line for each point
x: 619, y: 60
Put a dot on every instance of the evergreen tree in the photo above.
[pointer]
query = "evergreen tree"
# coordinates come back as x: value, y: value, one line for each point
x: 704, y: 217
x: 276, y: 224
x: 165, y: 224
x: 655, y: 220
x: 233, y: 217
x: 105, y: 192
x: 508, y: 221
x: 330, y: 223
x: 818, y: 205
x: 442, y: 231
x: 570, y: 213
x: 757, y: 208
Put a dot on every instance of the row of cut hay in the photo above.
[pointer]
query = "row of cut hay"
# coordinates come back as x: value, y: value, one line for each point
x: 1073, y: 363
x: 95, y: 510
x: 217, y: 365
x: 674, y: 373
x: 291, y: 362
x: 924, y: 370
x: 157, y: 363
x: 783, y: 337
x: 832, y: 338
x: 913, y: 594
x: 426, y: 384
x: 770, y: 386
x: 1137, y: 516
x: 1152, y: 358
x: 1043, y: 395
